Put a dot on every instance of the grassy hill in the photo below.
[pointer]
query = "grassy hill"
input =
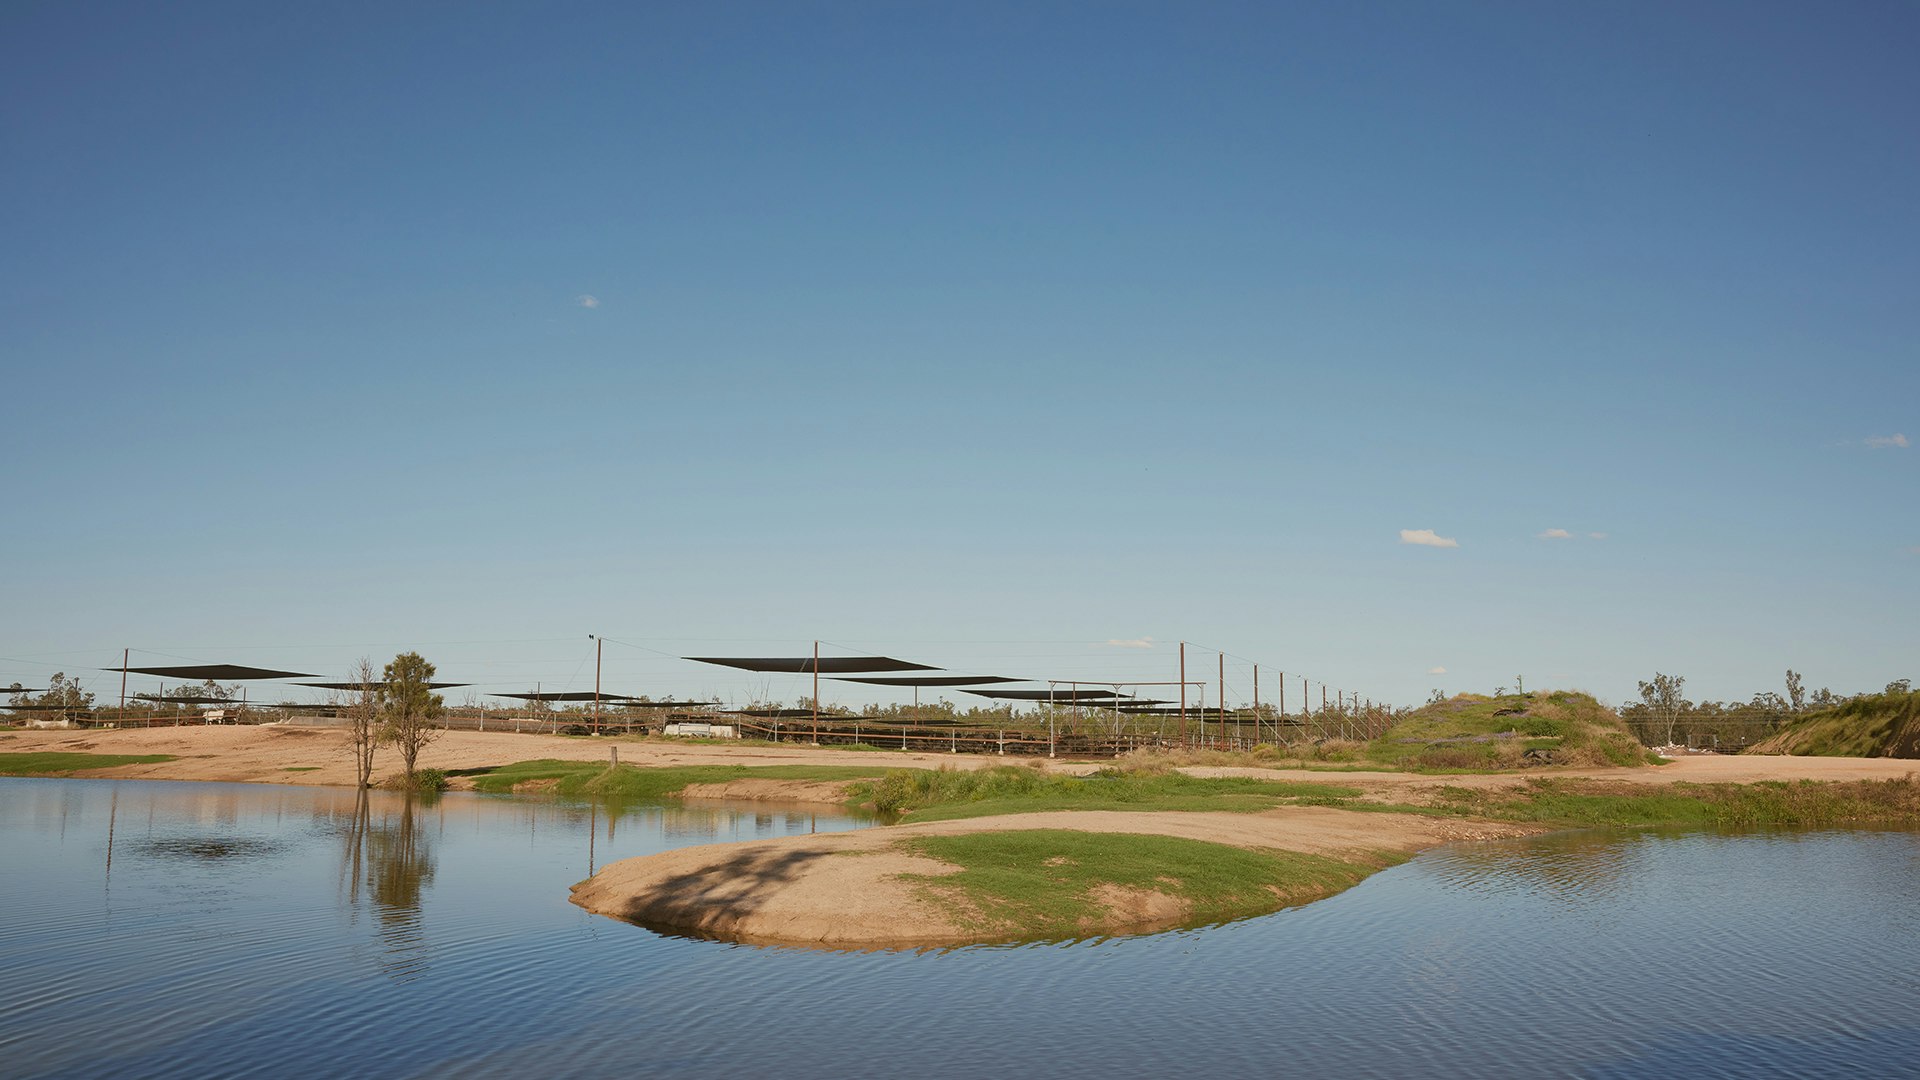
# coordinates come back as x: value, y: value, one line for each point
x: 1878, y: 725
x: 1472, y: 731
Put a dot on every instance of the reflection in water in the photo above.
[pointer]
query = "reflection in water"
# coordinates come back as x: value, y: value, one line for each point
x: 389, y: 857
x: 1573, y: 868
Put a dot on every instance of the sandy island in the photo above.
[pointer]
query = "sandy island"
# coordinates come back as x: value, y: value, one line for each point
x: 847, y: 890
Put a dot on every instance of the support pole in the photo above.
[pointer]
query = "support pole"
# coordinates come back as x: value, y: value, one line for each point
x: 1223, y: 701
x: 598, y: 645
x: 816, y: 693
x: 1183, y: 693
x: 125, y: 654
x: 1256, y: 707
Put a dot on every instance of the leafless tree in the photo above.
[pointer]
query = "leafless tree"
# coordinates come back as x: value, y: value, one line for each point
x: 362, y: 710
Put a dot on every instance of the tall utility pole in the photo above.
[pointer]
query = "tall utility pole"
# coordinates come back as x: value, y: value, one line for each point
x: 1256, y: 708
x: 1223, y: 701
x: 598, y: 645
x: 125, y: 655
x: 1183, y: 693
x: 816, y: 693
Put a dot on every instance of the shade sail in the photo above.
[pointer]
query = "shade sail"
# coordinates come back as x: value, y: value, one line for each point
x: 932, y: 680
x: 790, y: 714
x: 379, y: 682
x: 569, y: 695
x: 23, y: 690
x: 799, y: 665
x: 44, y: 708
x: 1049, y: 695
x: 188, y: 699
x: 216, y: 672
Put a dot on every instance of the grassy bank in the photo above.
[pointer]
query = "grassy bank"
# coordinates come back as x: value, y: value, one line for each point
x: 1054, y: 883
x: 1878, y: 725
x: 59, y: 764
x: 927, y: 795
x: 578, y: 779
x: 1807, y: 803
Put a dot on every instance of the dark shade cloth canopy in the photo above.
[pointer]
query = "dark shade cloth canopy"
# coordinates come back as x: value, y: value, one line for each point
x: 380, y: 682
x: 639, y: 703
x: 569, y: 695
x: 216, y: 672
x: 188, y: 699
x: 932, y: 680
x: 1049, y: 695
x: 1210, y: 712
x: 803, y: 664
x: 43, y: 708
x: 789, y: 714
x: 23, y: 690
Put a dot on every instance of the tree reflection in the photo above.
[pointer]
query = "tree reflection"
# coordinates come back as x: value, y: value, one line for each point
x: 389, y: 858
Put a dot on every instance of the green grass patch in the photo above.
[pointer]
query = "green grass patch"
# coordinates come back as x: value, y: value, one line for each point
x: 943, y: 795
x: 50, y: 763
x: 595, y: 779
x: 1804, y: 803
x: 301, y: 768
x: 1044, y: 883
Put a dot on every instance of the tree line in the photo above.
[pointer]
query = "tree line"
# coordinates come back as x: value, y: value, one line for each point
x: 1665, y: 716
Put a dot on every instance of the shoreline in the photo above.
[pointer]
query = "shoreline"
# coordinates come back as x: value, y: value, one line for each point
x: 884, y: 888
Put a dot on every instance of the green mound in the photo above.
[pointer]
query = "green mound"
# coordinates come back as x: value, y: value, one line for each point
x: 1877, y: 725
x: 1474, y: 732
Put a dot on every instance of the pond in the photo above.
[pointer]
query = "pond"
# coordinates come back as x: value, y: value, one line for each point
x: 173, y: 929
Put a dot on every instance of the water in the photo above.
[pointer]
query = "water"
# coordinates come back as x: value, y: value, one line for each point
x: 208, y: 930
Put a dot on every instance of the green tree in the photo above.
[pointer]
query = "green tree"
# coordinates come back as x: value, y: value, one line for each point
x: 408, y: 707
x: 1663, y: 701
x: 1796, y: 692
x: 66, y: 696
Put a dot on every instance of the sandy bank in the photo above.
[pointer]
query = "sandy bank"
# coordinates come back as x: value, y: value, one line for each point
x: 847, y: 890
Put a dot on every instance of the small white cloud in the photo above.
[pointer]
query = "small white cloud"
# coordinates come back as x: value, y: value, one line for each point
x: 1130, y: 643
x: 1427, y: 538
x: 1555, y: 534
x: 1886, y: 442
x: 1914, y: 550
x: 587, y: 300
x: 1598, y: 536
x: 1436, y: 671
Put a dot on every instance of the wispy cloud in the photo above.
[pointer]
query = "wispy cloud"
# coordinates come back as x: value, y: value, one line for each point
x: 1598, y: 536
x: 1888, y: 442
x: 1436, y: 671
x: 1129, y: 643
x: 587, y: 300
x: 1427, y: 538
x: 1914, y: 550
x: 1555, y: 534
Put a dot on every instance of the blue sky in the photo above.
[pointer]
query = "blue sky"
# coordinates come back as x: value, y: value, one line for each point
x: 981, y: 334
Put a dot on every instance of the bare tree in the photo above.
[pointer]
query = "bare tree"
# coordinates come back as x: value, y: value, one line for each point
x: 1663, y: 701
x: 408, y: 708
x: 362, y: 710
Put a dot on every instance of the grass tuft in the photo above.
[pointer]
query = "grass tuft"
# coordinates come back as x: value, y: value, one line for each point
x: 943, y: 795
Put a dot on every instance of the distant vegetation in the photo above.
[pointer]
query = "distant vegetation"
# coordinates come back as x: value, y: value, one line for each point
x: 1475, y: 732
x: 1664, y: 716
x: 928, y: 795
x: 1873, y: 725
